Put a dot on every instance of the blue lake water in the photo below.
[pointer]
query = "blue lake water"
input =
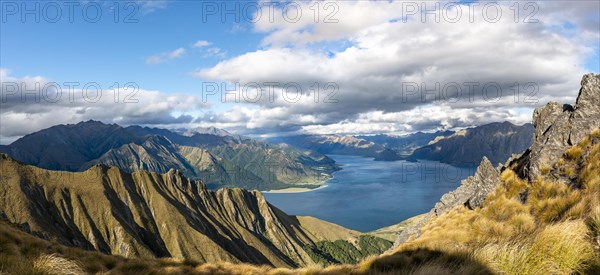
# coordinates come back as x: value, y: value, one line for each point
x: 366, y: 195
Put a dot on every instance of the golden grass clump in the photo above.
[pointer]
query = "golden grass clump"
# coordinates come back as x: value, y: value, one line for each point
x: 557, y: 249
x: 596, y: 133
x: 574, y: 152
x: 54, y: 264
x: 513, y: 185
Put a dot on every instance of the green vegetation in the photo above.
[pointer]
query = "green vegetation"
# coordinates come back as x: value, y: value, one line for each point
x: 343, y: 252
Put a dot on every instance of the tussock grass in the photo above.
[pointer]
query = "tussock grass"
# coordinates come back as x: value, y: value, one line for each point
x: 557, y: 249
x: 54, y: 264
x: 574, y: 152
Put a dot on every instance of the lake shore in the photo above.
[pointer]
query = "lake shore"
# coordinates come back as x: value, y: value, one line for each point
x: 295, y: 190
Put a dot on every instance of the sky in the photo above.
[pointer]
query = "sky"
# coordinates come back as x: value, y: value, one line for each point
x: 267, y: 68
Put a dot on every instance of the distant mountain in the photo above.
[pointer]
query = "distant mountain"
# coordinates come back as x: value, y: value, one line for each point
x: 405, y: 145
x: 218, y: 160
x: 147, y: 215
x: 496, y: 141
x: 336, y: 145
x: 387, y: 155
x: 207, y: 130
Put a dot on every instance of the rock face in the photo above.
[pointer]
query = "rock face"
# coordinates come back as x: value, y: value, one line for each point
x: 147, y: 214
x: 558, y: 127
x: 471, y: 193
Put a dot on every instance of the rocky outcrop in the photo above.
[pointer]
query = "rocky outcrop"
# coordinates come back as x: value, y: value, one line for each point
x: 558, y: 127
x: 471, y: 193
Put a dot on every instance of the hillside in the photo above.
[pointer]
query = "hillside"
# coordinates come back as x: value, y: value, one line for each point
x: 216, y: 157
x: 152, y: 215
x: 496, y: 141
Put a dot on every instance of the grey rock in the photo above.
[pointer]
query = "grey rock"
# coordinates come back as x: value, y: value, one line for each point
x: 472, y: 191
x: 558, y: 127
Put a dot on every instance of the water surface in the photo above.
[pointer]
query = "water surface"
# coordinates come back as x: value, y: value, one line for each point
x: 367, y: 195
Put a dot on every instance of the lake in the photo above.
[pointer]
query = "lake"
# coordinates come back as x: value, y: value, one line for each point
x: 366, y: 195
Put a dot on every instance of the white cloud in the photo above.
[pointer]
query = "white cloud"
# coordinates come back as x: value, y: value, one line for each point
x: 383, y: 54
x: 201, y: 43
x: 166, y: 56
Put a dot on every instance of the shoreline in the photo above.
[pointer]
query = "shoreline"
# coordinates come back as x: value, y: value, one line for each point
x: 293, y: 190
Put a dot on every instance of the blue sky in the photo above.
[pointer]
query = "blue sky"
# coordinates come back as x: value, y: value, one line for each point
x: 365, y: 49
x: 108, y: 52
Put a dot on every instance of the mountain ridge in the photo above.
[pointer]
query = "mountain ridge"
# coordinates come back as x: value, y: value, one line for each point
x: 235, y: 161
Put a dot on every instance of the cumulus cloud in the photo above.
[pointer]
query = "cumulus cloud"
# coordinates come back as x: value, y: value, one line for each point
x: 165, y: 56
x: 419, y: 73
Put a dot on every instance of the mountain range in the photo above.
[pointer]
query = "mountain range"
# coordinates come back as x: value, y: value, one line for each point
x: 218, y: 158
x: 496, y: 141
x: 466, y: 147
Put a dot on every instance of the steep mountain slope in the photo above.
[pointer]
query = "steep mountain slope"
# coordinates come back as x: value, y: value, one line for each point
x: 496, y: 141
x: 155, y: 215
x: 68, y: 147
x: 228, y: 160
